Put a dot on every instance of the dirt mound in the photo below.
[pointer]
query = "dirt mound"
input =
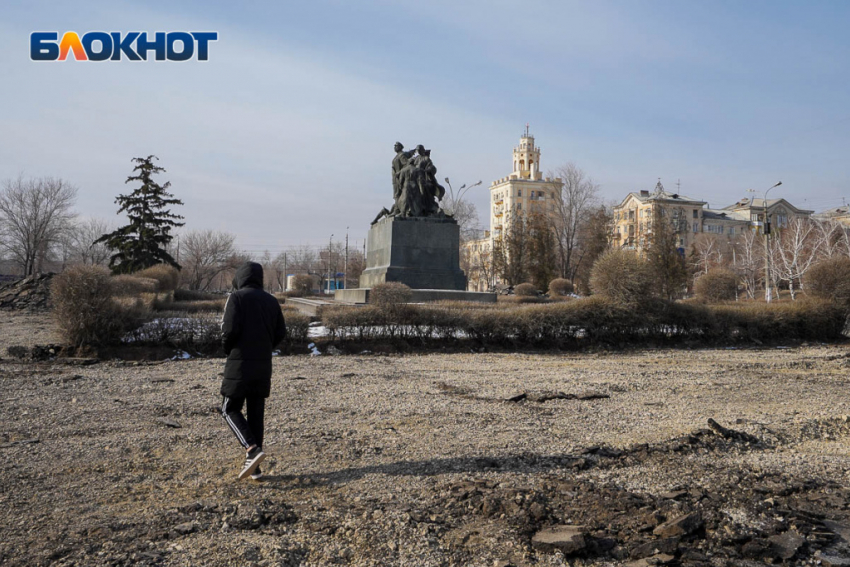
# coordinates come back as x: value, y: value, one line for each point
x: 31, y: 293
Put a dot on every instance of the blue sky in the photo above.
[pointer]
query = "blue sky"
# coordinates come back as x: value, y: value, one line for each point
x: 285, y: 136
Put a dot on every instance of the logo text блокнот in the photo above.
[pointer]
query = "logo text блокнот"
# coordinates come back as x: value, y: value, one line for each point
x: 115, y: 46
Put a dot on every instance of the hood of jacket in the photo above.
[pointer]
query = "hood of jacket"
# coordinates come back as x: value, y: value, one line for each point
x: 249, y: 274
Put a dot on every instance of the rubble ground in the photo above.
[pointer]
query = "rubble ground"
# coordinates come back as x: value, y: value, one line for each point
x: 433, y: 460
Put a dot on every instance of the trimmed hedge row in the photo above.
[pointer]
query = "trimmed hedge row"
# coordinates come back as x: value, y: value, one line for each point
x: 592, y: 320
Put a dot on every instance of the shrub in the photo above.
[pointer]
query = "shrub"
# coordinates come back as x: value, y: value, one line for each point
x: 167, y: 276
x: 806, y: 319
x: 525, y: 290
x: 560, y: 287
x: 389, y: 294
x: 520, y: 299
x: 297, y: 325
x: 192, y: 295
x: 593, y: 320
x: 208, y: 306
x: 623, y: 276
x: 830, y: 279
x: 125, y: 285
x: 86, y: 311
x: 718, y: 284
x: 302, y: 284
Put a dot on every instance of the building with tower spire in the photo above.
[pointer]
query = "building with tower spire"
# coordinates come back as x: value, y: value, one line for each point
x: 523, y: 192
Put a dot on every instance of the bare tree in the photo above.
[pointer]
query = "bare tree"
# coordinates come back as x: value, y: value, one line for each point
x: 510, y: 251
x: 356, y: 265
x: 278, y: 268
x: 796, y: 248
x: 466, y: 215
x: 79, y: 242
x: 710, y: 251
x: 205, y: 254
x: 703, y: 252
x: 303, y: 260
x: 268, y: 277
x: 595, y: 239
x: 844, y: 241
x: 833, y: 238
x: 34, y: 214
x: 578, y: 194
x: 463, y: 211
x: 666, y: 264
x: 749, y: 260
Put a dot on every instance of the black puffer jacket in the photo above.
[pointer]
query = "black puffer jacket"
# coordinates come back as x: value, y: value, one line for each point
x: 251, y: 329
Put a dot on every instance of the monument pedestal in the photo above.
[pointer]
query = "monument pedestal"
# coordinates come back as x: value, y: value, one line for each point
x: 421, y: 252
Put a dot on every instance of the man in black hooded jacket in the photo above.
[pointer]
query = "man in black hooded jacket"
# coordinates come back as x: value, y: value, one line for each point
x: 251, y: 329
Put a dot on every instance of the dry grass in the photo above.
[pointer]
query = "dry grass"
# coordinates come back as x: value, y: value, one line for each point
x: 192, y: 295
x: 167, y: 276
x: 124, y: 285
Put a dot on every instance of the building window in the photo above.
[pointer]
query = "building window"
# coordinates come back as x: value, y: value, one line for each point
x: 696, y: 214
x: 519, y: 192
x: 696, y: 227
x: 519, y: 206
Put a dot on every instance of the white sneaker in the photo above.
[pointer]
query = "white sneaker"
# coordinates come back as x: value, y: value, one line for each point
x: 252, y: 461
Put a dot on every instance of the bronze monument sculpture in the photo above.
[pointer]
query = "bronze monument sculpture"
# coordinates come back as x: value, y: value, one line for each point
x: 416, y: 191
x: 415, y: 243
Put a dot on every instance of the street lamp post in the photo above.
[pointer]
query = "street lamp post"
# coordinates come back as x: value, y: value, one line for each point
x: 766, y: 232
x: 330, y: 244
x: 457, y: 198
x: 345, y: 269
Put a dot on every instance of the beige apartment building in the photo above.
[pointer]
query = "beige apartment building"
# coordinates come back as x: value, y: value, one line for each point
x: 476, y: 260
x: 690, y: 217
x: 523, y: 192
x: 839, y: 214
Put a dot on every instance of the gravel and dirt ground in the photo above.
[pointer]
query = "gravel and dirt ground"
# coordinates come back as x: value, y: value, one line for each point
x: 432, y: 460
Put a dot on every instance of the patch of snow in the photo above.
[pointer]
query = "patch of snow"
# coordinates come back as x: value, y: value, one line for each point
x: 181, y: 355
x: 317, y: 330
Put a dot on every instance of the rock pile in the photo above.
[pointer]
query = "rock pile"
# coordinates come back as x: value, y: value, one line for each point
x: 31, y: 293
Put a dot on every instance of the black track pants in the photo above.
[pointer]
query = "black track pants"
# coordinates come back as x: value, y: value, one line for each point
x: 248, y: 431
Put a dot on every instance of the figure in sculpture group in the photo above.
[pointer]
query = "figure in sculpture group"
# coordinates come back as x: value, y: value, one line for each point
x: 416, y: 191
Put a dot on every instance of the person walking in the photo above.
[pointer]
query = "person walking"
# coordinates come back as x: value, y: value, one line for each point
x: 252, y: 328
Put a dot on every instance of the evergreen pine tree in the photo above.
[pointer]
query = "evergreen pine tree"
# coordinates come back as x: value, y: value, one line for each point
x: 141, y: 244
